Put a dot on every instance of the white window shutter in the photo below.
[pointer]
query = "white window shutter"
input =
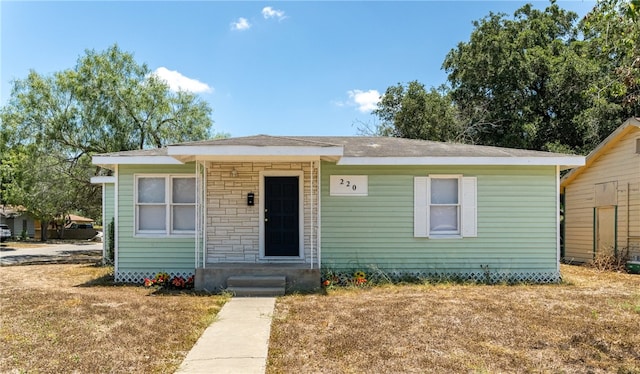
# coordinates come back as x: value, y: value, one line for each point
x: 469, y: 207
x: 420, y: 217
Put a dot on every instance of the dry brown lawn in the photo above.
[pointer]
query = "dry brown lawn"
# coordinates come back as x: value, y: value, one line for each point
x: 589, y: 324
x: 69, y: 318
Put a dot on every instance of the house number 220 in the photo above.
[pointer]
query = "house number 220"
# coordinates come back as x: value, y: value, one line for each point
x: 348, y: 185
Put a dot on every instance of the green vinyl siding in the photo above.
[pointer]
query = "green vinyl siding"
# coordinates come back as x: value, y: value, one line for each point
x: 516, y: 222
x: 149, y: 254
x: 109, y: 211
x: 109, y: 203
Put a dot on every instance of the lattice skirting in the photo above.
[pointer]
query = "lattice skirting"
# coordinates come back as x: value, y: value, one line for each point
x: 138, y: 276
x: 490, y: 277
x: 381, y: 276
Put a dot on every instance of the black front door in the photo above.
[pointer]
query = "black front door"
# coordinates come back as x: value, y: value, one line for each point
x: 281, y: 218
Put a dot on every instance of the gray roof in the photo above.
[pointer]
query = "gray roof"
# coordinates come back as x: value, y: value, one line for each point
x: 268, y: 141
x: 348, y: 147
x: 376, y: 146
x: 138, y: 152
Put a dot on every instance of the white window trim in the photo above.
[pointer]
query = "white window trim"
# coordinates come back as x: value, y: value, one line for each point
x: 467, y: 203
x: 169, y: 232
x: 452, y: 233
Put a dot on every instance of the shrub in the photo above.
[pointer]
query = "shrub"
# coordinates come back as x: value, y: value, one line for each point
x: 164, y: 280
x: 610, y: 260
x: 331, y: 278
x: 111, y: 243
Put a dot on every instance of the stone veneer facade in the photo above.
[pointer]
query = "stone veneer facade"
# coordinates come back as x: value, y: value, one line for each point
x: 233, y: 227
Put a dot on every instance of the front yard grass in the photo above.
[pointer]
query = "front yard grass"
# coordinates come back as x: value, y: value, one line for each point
x: 70, y: 318
x: 588, y: 324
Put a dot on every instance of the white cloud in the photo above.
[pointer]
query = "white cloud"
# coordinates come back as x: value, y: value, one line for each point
x: 178, y: 82
x: 269, y: 12
x: 241, y: 24
x: 366, y: 101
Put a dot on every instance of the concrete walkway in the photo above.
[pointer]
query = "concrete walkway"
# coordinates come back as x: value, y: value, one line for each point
x: 236, y: 342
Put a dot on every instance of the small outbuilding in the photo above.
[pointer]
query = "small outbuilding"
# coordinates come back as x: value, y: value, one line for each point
x: 602, y: 198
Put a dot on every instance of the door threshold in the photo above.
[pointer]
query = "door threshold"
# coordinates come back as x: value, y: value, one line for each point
x: 282, y: 258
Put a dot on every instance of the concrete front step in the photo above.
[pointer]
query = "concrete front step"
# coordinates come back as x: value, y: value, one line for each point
x: 213, y: 278
x: 256, y: 291
x: 256, y: 285
x: 256, y: 281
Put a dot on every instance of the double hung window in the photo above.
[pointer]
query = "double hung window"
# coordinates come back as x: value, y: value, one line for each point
x: 165, y: 205
x: 444, y: 206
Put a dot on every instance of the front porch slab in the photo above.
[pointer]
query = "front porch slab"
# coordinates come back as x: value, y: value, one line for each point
x: 299, y: 277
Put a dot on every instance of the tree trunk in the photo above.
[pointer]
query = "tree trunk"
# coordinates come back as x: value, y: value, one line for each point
x: 44, y: 227
x: 60, y: 231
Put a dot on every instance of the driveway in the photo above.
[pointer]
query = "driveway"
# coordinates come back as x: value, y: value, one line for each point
x: 35, y: 253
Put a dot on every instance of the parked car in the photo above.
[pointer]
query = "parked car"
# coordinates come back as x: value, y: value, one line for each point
x: 5, y: 233
x: 74, y: 225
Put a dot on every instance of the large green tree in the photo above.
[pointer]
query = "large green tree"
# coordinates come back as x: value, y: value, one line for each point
x: 543, y: 79
x: 612, y: 35
x: 520, y: 81
x: 48, y: 186
x: 107, y: 103
x: 412, y: 111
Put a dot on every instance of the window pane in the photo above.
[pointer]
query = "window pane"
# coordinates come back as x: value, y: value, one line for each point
x: 184, y: 190
x: 184, y: 218
x: 444, y: 191
x: 443, y: 218
x: 151, y: 217
x: 151, y: 190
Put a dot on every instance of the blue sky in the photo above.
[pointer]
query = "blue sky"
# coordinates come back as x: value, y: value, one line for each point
x: 280, y: 68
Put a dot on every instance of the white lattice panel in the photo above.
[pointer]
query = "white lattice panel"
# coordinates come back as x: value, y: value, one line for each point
x: 481, y: 277
x: 138, y: 276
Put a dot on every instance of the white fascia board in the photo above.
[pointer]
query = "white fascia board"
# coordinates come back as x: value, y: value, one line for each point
x: 244, y: 150
x: 498, y: 161
x: 103, y: 179
x: 135, y: 160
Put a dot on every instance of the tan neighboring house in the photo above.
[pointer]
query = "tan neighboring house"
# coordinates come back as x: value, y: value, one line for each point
x: 602, y: 198
x: 73, y: 218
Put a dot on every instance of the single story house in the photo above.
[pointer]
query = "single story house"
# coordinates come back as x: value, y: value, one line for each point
x: 602, y: 198
x: 20, y: 221
x: 293, y: 205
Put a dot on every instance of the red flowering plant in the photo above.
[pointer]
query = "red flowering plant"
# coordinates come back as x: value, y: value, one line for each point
x: 359, y: 278
x: 180, y: 282
x: 164, y: 280
x: 330, y: 279
x: 161, y: 279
